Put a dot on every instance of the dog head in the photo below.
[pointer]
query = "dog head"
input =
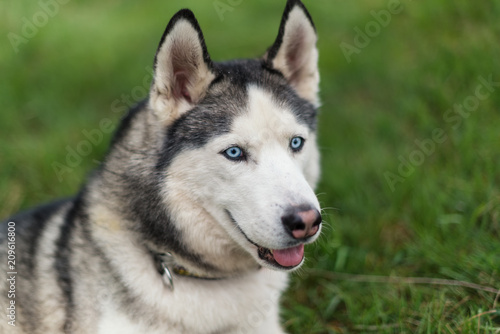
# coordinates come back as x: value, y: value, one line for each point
x: 240, y: 140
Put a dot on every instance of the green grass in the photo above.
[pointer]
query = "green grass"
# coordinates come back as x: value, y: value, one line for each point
x: 440, y: 222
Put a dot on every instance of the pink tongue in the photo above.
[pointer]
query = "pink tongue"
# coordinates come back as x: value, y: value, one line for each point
x: 289, y: 257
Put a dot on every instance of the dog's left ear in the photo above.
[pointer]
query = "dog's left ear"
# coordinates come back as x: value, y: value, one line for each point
x: 182, y: 68
x: 294, y: 53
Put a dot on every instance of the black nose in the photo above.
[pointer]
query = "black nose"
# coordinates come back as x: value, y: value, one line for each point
x: 302, y: 221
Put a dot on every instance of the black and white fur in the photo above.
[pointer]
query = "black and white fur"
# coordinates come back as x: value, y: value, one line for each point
x: 87, y: 264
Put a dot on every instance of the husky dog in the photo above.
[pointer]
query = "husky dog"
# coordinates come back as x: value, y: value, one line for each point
x: 200, y: 209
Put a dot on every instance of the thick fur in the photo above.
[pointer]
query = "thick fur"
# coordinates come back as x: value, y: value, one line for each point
x: 86, y: 264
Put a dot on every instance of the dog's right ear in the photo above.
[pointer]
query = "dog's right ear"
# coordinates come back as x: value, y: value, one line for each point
x: 182, y: 67
x: 294, y: 53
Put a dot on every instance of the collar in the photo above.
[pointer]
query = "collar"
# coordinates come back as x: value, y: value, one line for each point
x: 165, y: 265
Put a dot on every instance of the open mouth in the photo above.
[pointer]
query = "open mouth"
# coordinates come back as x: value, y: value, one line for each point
x: 285, y: 258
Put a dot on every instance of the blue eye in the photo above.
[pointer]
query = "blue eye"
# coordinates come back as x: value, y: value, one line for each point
x: 234, y: 153
x: 296, y: 143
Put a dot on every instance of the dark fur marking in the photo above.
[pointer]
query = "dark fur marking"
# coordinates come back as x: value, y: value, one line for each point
x: 249, y: 71
x: 124, y: 294
x: 62, y: 263
x: 30, y: 225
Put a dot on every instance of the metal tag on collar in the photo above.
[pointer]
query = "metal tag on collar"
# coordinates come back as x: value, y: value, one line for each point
x: 167, y: 275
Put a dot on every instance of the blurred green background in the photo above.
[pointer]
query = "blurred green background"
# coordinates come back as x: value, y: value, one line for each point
x: 413, y: 72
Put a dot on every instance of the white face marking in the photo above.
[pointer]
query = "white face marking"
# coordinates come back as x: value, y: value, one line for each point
x: 272, y: 178
x: 257, y: 191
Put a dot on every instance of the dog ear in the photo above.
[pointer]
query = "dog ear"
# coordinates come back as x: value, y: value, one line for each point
x: 294, y: 53
x: 182, y: 67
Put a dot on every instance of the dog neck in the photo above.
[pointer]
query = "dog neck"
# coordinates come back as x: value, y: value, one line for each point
x: 168, y: 269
